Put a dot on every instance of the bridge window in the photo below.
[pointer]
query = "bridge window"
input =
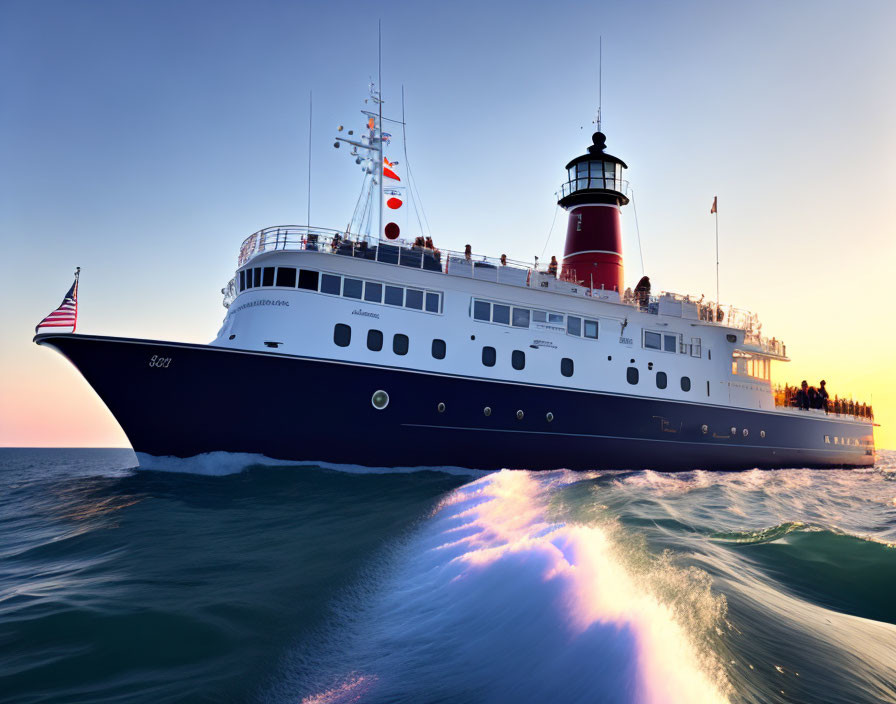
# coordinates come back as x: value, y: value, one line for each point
x: 414, y: 299
x: 256, y: 279
x: 482, y: 310
x: 566, y: 366
x: 438, y: 349
x: 521, y: 317
x: 286, y: 276
x: 351, y: 288
x: 374, y: 340
x: 661, y: 380
x: 330, y: 284
x: 591, y: 329
x: 308, y: 279
x: 631, y: 375
x: 373, y: 293
x: 489, y: 356
x: 400, y: 344
x: 342, y: 335
x: 394, y: 296
x: 518, y: 360
x: 242, y: 281
x: 268, y: 276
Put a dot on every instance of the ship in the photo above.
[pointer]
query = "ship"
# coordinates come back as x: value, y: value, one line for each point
x: 356, y: 346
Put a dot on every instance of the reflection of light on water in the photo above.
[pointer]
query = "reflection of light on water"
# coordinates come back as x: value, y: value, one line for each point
x: 493, y: 597
x: 351, y: 689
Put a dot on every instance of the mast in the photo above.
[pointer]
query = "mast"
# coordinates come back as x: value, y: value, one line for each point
x: 380, y: 122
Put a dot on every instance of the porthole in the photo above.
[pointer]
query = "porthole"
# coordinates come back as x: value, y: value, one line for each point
x: 549, y: 417
x: 704, y: 428
x: 685, y: 383
x: 631, y: 375
x: 380, y: 399
x: 733, y: 430
x: 519, y: 415
x: 746, y: 432
x: 441, y: 407
x: 661, y: 380
x: 486, y: 411
x: 762, y: 433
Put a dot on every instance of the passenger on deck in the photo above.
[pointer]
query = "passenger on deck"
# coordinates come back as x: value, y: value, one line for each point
x: 503, y: 260
x: 429, y: 244
x: 802, y: 396
x: 468, y: 253
x: 814, y: 401
x: 418, y: 242
x: 337, y: 240
x: 552, y: 267
x: 642, y: 292
x: 823, y: 396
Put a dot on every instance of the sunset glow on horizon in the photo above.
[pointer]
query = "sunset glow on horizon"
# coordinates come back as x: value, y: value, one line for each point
x: 144, y: 142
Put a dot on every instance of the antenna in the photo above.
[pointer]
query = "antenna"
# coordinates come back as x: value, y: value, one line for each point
x: 310, y: 114
x: 600, y: 77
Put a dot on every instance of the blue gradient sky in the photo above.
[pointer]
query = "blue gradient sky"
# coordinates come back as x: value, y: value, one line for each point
x: 143, y: 141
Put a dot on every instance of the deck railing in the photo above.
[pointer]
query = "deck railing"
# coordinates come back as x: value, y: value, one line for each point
x: 499, y: 269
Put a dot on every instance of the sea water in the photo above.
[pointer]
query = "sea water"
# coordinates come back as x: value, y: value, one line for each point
x: 234, y: 578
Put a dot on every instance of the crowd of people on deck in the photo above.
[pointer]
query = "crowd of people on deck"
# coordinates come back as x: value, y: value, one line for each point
x: 805, y: 397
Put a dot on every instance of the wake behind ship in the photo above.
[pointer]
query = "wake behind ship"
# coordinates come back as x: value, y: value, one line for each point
x: 358, y: 347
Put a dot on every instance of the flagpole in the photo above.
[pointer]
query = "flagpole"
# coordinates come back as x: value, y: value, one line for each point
x: 77, y: 276
x: 310, y: 115
x: 716, y: 213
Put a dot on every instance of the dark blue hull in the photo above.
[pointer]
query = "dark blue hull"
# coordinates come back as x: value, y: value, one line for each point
x: 209, y: 399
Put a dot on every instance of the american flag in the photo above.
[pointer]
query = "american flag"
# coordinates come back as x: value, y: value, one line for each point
x: 66, y: 315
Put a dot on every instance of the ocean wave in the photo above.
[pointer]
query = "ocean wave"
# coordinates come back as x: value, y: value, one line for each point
x: 495, y: 598
x: 226, y: 463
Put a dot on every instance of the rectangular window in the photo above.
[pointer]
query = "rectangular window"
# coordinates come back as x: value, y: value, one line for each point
x: 482, y: 310
x: 696, y: 347
x: 394, y: 296
x: 286, y: 276
x: 432, y: 302
x: 268, y: 276
x: 539, y: 316
x: 373, y: 292
x: 591, y: 329
x: 308, y: 279
x: 330, y: 283
x: 501, y: 314
x: 556, y: 318
x: 521, y: 317
x: 652, y: 340
x: 242, y: 281
x: 351, y: 288
x: 414, y: 299
x: 670, y: 343
x: 256, y: 278
x: 574, y: 326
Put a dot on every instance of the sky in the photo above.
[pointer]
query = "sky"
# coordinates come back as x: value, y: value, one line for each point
x: 143, y: 141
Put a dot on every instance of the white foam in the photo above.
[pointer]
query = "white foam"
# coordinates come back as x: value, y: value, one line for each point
x: 495, y: 599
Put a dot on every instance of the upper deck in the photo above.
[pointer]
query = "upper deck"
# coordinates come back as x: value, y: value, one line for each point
x: 500, y: 270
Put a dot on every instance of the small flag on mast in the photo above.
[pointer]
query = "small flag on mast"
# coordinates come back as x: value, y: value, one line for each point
x: 66, y: 315
x: 715, y: 203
